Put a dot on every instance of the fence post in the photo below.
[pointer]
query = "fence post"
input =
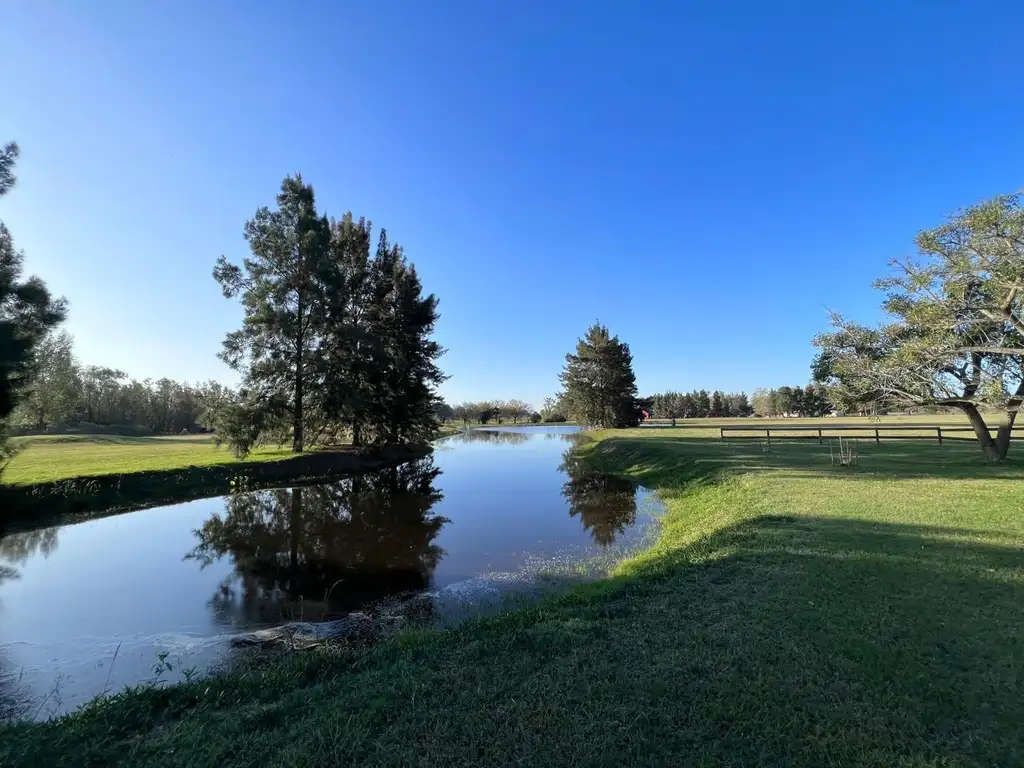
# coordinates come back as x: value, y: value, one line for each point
x: 768, y: 434
x: 820, y: 441
x: 877, y: 438
x: 939, y: 430
x: 721, y: 433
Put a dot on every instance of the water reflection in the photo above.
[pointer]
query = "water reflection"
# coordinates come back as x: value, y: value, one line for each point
x: 321, y: 551
x: 503, y: 436
x: 17, y: 548
x: 606, y: 504
x: 13, y: 698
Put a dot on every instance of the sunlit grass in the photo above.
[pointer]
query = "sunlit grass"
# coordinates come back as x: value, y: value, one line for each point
x: 48, y: 458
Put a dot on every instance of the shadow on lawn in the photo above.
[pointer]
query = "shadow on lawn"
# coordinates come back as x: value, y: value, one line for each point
x: 31, y: 441
x: 826, y: 641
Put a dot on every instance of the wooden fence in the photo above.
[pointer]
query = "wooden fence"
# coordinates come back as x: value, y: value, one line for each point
x: 926, y: 431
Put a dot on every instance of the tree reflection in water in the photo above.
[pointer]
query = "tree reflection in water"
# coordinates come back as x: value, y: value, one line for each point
x: 322, y: 551
x: 17, y: 548
x: 491, y: 436
x: 606, y: 504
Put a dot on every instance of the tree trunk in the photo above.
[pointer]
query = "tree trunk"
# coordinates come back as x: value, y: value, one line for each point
x: 1005, y: 431
x: 297, y: 436
x: 988, y: 445
x: 297, y: 414
x: 357, y: 438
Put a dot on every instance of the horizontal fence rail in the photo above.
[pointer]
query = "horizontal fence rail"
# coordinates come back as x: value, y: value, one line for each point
x: 930, y: 431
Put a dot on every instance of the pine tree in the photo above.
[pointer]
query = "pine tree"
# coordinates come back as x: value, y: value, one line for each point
x: 334, y: 341
x: 27, y: 310
x: 600, y: 387
x: 703, y: 404
x: 413, y: 374
x: 351, y: 347
x: 689, y: 406
x: 717, y: 404
x: 282, y: 287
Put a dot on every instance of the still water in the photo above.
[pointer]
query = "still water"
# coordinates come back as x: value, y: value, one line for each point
x: 158, y: 594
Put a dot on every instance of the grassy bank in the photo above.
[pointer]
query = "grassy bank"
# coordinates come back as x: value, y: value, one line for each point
x: 49, y: 458
x: 52, y: 478
x: 790, y: 614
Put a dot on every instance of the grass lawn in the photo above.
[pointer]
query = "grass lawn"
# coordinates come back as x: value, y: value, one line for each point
x: 791, y: 613
x: 47, y: 458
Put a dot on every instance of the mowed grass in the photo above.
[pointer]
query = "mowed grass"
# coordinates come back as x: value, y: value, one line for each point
x: 955, y: 426
x: 791, y: 613
x: 49, y: 458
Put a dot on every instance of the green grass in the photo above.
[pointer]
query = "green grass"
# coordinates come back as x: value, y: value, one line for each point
x: 66, y: 478
x: 48, y: 458
x: 950, y: 417
x: 791, y: 613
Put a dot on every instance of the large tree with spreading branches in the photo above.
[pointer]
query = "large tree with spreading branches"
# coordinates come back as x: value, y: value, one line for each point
x: 955, y: 333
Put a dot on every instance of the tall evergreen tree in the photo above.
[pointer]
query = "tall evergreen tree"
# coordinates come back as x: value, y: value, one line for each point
x: 352, y: 349
x: 689, y: 406
x: 282, y: 287
x: 600, y: 387
x: 409, y: 395
x: 718, y: 404
x: 703, y: 400
x: 27, y: 310
x: 334, y: 340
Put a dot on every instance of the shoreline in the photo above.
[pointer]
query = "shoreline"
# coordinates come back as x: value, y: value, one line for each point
x: 752, y: 620
x: 39, y: 505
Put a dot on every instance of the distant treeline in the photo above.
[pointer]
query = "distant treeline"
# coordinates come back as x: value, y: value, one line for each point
x: 67, y: 393
x: 811, y: 401
x: 486, y: 411
x: 699, y: 404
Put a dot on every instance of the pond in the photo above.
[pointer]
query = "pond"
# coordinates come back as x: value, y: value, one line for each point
x: 161, y: 593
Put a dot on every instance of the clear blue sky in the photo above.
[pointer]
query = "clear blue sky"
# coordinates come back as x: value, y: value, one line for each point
x: 706, y: 178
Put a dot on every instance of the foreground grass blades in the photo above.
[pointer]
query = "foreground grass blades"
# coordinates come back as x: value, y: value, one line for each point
x: 791, y: 613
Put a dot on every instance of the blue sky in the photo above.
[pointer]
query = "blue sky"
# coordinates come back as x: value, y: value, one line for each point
x: 708, y: 179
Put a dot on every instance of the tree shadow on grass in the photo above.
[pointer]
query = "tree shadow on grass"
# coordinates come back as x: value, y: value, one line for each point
x: 37, y: 441
x: 824, y: 641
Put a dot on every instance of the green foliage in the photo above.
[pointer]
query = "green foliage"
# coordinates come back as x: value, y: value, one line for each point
x: 53, y: 396
x: 811, y: 401
x: 337, y: 338
x: 955, y: 329
x: 696, y: 404
x: 242, y: 422
x: 282, y: 287
x: 8, y: 157
x: 598, y: 380
x: 555, y: 409
x: 27, y: 311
